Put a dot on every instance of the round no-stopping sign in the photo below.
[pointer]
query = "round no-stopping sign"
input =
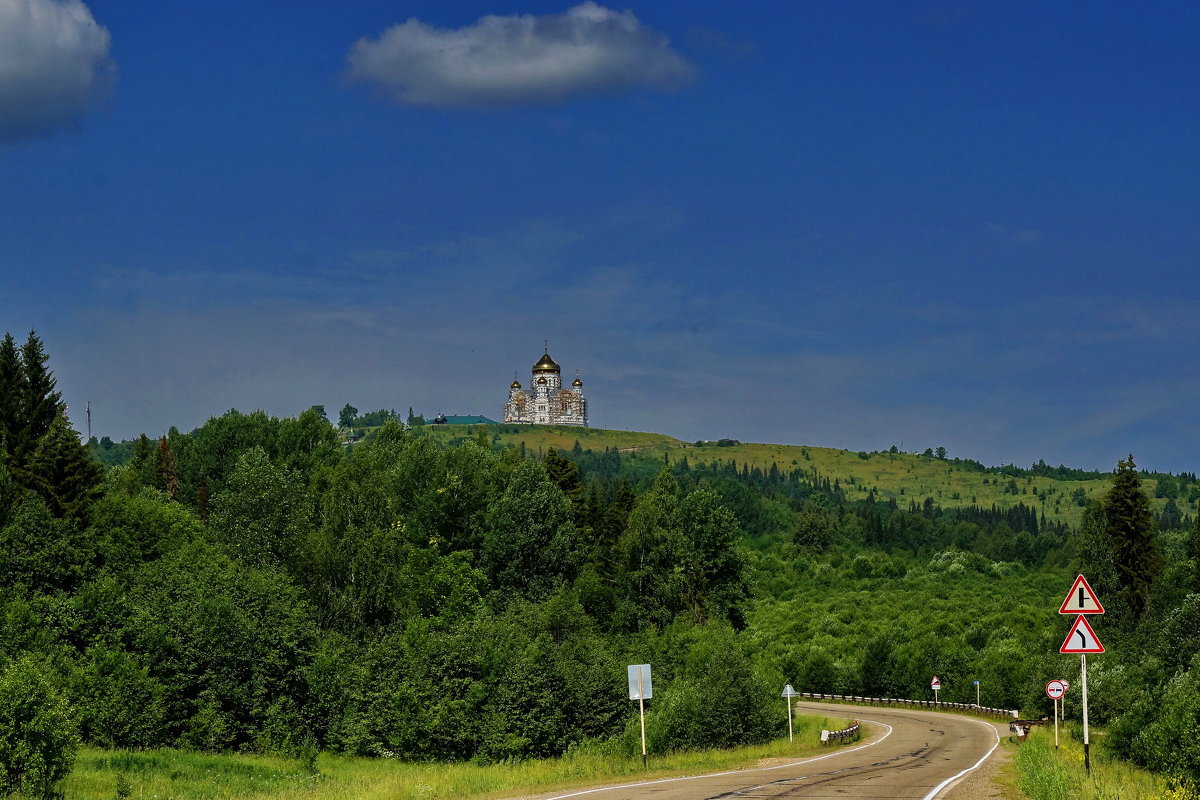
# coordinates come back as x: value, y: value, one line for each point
x: 1055, y: 690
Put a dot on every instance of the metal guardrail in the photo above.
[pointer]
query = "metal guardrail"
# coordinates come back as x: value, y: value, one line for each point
x: 904, y: 703
x: 844, y: 733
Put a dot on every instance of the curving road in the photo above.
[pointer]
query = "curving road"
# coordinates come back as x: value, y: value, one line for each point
x: 907, y: 754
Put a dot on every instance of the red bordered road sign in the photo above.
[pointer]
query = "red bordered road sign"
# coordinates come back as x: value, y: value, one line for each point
x: 1081, y: 639
x: 936, y: 683
x: 1055, y: 690
x: 1081, y: 599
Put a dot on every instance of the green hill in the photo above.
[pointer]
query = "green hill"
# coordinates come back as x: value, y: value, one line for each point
x: 903, y: 477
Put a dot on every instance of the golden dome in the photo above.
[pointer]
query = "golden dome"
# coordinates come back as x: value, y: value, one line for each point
x: 577, y: 382
x: 516, y: 384
x: 546, y: 364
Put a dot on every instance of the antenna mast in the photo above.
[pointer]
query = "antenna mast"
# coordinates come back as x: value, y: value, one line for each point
x: 88, y: 409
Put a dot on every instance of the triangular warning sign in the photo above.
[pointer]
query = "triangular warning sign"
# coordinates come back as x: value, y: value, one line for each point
x: 1081, y: 599
x: 1081, y: 639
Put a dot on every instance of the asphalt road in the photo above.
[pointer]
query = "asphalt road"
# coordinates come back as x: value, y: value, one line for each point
x: 907, y: 754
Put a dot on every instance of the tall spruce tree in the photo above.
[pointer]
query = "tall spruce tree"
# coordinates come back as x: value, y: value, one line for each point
x: 42, y: 451
x: 41, y: 403
x: 62, y: 471
x: 167, y: 474
x: 12, y: 390
x: 1131, y: 530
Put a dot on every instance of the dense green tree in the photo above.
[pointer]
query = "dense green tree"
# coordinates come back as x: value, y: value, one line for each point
x: 227, y: 642
x: 214, y: 448
x: 817, y: 672
x: 166, y: 477
x: 263, y: 511
x: 716, y: 698
x: 564, y: 473
x: 41, y: 403
x: 1192, y: 552
x: 41, y: 553
x: 877, y: 667
x: 12, y: 390
x: 309, y: 445
x: 117, y: 702
x: 1168, y: 741
x: 1129, y: 523
x: 346, y: 416
x: 1096, y: 556
x: 38, y: 738
x: 10, y: 493
x: 530, y: 544
x: 61, y: 471
x: 714, y: 570
x: 141, y: 468
x: 131, y: 530
x: 650, y: 577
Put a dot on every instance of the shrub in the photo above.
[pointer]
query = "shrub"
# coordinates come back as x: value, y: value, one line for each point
x: 37, y: 734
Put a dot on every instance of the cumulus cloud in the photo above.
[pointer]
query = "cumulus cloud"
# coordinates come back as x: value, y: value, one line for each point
x: 54, y: 66
x: 516, y: 60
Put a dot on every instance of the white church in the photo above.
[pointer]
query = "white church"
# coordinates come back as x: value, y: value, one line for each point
x: 546, y: 402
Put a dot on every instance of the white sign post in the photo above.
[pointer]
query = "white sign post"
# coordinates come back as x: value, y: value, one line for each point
x: 788, y: 694
x: 641, y: 689
x: 977, y: 695
x: 1080, y: 600
x: 936, y: 685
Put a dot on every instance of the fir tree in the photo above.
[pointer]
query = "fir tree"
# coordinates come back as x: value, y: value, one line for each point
x: 12, y: 383
x: 62, y: 472
x: 1130, y: 527
x: 41, y: 404
x: 141, y: 464
x: 1192, y: 549
x: 202, y: 501
x: 167, y: 478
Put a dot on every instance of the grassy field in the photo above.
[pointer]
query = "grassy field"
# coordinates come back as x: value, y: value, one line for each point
x: 105, y: 775
x: 1043, y: 774
x: 901, y: 476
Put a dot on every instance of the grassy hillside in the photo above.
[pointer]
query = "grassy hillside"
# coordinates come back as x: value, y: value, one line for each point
x: 903, y: 477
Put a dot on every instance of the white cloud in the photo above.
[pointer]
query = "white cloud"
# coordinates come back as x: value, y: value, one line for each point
x: 54, y: 66
x: 523, y: 59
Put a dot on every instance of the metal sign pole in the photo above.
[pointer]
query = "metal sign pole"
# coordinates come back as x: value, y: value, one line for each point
x: 642, y: 712
x: 1087, y: 763
x: 977, y: 695
x: 1055, y: 724
x: 787, y: 703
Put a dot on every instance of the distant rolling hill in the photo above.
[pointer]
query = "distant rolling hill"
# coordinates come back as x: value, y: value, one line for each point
x: 904, y: 477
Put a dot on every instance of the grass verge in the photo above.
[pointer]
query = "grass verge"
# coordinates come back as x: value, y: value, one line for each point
x: 1044, y: 774
x: 179, y: 775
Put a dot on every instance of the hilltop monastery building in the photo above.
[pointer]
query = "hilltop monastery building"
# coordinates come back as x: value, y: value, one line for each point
x: 547, y: 402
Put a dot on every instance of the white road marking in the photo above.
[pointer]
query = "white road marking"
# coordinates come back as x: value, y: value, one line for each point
x: 934, y: 792
x: 734, y: 771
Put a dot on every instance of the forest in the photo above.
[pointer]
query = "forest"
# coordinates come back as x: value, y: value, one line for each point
x: 256, y: 585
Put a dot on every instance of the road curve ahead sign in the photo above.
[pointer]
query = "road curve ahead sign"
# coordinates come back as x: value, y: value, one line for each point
x: 1081, y: 639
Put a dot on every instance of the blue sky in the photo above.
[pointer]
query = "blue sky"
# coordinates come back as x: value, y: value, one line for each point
x: 838, y: 224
